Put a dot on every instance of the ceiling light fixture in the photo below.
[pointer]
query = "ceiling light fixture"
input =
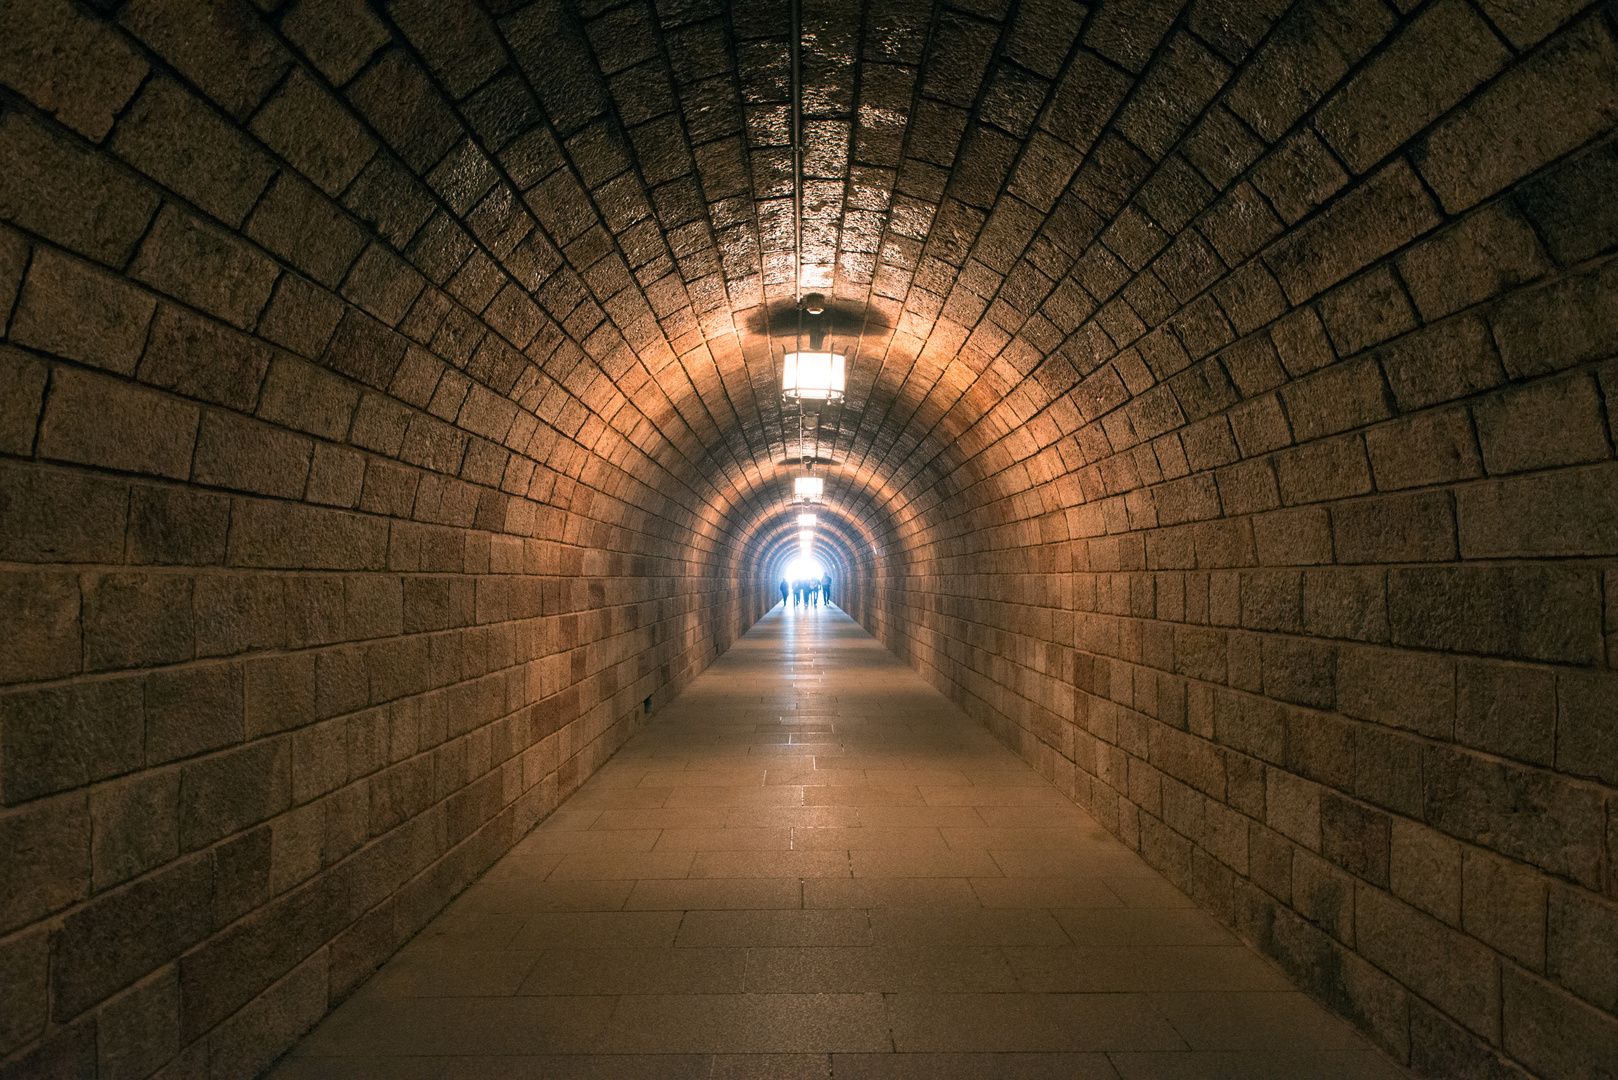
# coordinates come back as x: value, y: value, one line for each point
x: 808, y: 487
x: 806, y: 521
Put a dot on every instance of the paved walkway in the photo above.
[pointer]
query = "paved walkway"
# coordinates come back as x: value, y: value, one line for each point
x: 813, y: 865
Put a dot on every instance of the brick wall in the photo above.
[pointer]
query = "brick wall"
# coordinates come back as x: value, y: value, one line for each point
x: 330, y: 562
x: 1295, y: 557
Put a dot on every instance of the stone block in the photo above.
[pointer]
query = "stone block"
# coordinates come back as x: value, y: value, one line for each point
x: 319, y: 760
x: 1260, y: 425
x: 1425, y: 870
x: 233, y: 791
x: 1323, y: 894
x: 1270, y: 861
x: 1582, y: 945
x: 306, y: 398
x: 25, y: 972
x: 220, y: 45
x: 78, y: 311
x: 305, y: 228
x: 242, y: 455
x: 296, y: 839
x: 1538, y: 110
x: 1570, y: 208
x: 1443, y: 965
x: 338, y: 37
x: 238, y: 612
x: 1292, y: 807
x: 1401, y: 91
x: 1539, y: 818
x: 336, y: 477
x: 384, y: 285
x: 172, y: 136
x: 136, y: 619
x: 1299, y: 175
x: 1272, y: 600
x: 1389, y: 210
x: 69, y: 65
x: 1301, y: 343
x: 1355, y: 837
x: 40, y: 637
x: 205, y: 266
x: 1486, y: 253
x: 1321, y: 471
x: 1299, y: 537
x: 241, y: 875
x: 139, y: 1031
x: 1339, y: 398
x: 1553, y: 1033
x: 1431, y: 448
x: 94, y: 420
x: 341, y: 683
x: 47, y: 848
x: 301, y: 317
x: 1452, y: 359
x: 63, y: 737
x: 279, y: 693
x: 1399, y: 688
x: 1587, y: 725
x: 1387, y: 770
x: 1542, y: 425
x: 69, y: 195
x: 136, y: 827
x: 57, y: 515
x: 124, y: 934
x: 1530, y: 612
x: 1503, y: 905
x: 192, y: 710
x: 314, y: 133
x: 366, y: 350
x: 22, y: 396
x: 1527, y: 22
x: 1506, y: 709
x: 314, y: 610
x: 1418, y: 527
x: 291, y: 537
x: 176, y: 526
x: 201, y: 358
x: 1346, y: 603
x: 1366, y: 311
x: 1551, y: 329
x: 373, y: 606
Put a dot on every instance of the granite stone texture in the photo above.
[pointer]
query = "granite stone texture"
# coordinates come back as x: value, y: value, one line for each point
x: 390, y: 425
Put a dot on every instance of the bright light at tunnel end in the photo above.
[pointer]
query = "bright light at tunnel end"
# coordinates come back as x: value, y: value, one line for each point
x: 802, y: 568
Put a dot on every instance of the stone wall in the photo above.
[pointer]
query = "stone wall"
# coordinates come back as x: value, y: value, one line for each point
x: 1296, y: 564
x: 330, y: 561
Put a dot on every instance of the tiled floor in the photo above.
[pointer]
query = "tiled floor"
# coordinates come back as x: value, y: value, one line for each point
x: 813, y: 865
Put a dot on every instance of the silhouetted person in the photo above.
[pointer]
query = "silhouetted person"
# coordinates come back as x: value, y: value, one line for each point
x: 783, y: 592
x: 825, y: 588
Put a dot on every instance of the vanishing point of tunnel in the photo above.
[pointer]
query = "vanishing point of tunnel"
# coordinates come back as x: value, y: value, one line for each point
x: 1190, y: 425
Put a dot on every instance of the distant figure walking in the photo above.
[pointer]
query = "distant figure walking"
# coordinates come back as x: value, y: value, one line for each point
x: 825, y: 588
x: 783, y: 592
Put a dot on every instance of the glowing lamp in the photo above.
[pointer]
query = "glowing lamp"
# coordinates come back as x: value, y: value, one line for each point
x: 806, y: 521
x: 815, y: 376
x: 808, y: 487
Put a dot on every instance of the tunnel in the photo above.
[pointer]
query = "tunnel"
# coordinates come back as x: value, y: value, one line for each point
x: 403, y: 409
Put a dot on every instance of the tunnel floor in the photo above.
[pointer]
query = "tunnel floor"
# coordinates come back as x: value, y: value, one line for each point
x: 812, y: 864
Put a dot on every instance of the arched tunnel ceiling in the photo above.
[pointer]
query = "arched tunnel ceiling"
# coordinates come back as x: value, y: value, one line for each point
x: 959, y: 161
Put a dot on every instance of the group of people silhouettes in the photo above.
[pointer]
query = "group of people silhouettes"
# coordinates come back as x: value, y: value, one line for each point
x: 806, y: 591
